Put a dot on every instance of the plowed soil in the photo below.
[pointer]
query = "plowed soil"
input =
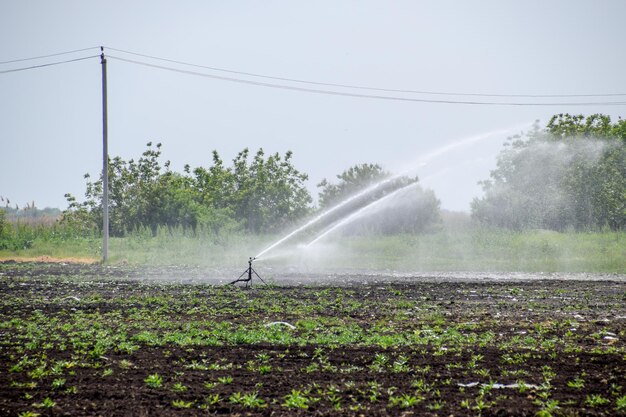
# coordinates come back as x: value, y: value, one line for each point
x: 87, y: 340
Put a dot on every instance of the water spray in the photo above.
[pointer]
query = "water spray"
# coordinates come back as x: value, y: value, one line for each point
x: 330, y: 211
x: 246, y: 276
x: 360, y: 211
x: 425, y: 160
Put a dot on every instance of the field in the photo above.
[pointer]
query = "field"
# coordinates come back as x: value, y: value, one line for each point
x: 86, y: 340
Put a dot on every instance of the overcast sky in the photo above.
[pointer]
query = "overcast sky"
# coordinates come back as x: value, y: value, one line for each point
x: 51, y: 121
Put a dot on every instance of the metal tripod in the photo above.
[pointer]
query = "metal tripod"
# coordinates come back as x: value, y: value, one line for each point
x: 247, y: 275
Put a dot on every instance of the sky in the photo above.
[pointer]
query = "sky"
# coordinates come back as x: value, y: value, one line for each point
x: 51, y: 117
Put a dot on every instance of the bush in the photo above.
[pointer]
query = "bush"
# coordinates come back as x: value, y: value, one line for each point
x: 14, y: 237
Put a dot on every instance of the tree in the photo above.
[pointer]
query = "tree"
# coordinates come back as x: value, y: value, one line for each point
x: 269, y: 194
x: 570, y: 174
x: 135, y: 194
x: 352, y: 180
x: 262, y: 196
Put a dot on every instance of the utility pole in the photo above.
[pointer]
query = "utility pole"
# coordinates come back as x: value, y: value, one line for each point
x: 105, y: 162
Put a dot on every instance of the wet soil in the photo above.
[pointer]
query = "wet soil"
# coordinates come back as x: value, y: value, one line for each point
x: 449, y: 346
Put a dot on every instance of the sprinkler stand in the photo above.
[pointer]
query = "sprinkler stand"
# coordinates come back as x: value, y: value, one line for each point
x: 247, y: 274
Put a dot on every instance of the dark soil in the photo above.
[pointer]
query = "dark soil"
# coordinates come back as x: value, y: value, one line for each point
x: 566, y: 340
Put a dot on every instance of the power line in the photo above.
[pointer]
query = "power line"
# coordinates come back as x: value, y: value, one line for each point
x: 359, y: 87
x: 49, y: 64
x: 320, y: 91
x: 50, y: 55
x: 359, y: 95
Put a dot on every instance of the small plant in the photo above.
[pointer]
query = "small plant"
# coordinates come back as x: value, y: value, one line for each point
x: 179, y: 387
x: 595, y: 400
x: 334, y: 397
x: 547, y: 372
x: 235, y: 398
x: 58, y: 383
x: 379, y: 363
x: 548, y: 408
x: 71, y: 390
x: 265, y: 369
x: 226, y: 380
x: 437, y: 405
x: 182, y: 404
x: 154, y: 381
x: 312, y: 367
x: 420, y: 385
x: 210, y: 385
x: 213, y: 399
x: 577, y: 383
x: 522, y: 387
x: 481, y: 404
x: 400, y: 365
x: 465, y: 404
x: 107, y: 372
x: 404, y: 401
x: 475, y: 359
x: 28, y: 414
x: 125, y: 364
x: 252, y: 400
x: 46, y: 403
x: 296, y: 399
x: 375, y: 391
x: 620, y: 404
x: 197, y: 366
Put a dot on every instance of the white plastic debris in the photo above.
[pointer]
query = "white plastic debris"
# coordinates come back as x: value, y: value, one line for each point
x: 283, y: 323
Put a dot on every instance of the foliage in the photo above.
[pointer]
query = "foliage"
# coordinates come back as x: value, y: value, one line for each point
x: 154, y: 381
x: 572, y: 174
x: 263, y: 195
x: 10, y: 236
x: 390, y: 205
x: 24, y: 235
x: 267, y: 194
x: 352, y: 180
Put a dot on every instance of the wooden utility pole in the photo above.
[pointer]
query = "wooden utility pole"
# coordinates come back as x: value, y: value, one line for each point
x: 105, y: 162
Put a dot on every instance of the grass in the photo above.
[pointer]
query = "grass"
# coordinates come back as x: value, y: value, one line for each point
x: 452, y: 248
x: 478, y: 249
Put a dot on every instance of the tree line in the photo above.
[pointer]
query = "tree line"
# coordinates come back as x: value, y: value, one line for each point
x: 570, y: 174
x: 257, y: 194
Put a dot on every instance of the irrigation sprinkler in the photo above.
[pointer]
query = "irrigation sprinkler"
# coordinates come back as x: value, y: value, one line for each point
x: 247, y: 274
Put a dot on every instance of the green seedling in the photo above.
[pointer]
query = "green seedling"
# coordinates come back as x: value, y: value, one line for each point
x: 179, y: 387
x: 46, y: 403
x: 595, y: 400
x: 296, y: 399
x: 578, y: 383
x: 182, y: 404
x: 252, y: 400
x: 620, y: 404
x: 404, y: 400
x: 58, y: 383
x: 225, y: 380
x: 28, y: 414
x: 154, y: 381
